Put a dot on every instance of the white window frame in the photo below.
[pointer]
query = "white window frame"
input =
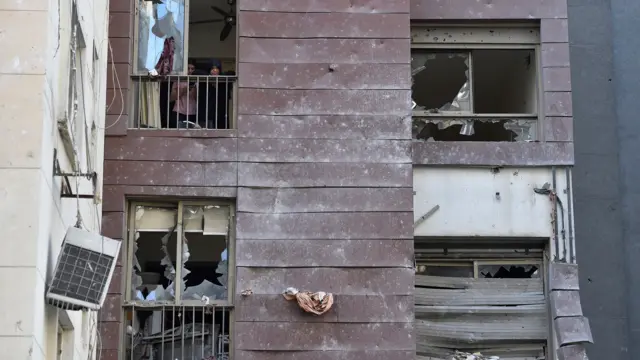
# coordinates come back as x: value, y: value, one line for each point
x: 468, y: 37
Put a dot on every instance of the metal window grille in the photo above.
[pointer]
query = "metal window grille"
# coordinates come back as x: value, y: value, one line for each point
x: 177, y: 332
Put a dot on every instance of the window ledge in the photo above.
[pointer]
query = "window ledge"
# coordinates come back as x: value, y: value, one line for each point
x: 230, y: 133
x: 492, y: 153
x: 467, y: 115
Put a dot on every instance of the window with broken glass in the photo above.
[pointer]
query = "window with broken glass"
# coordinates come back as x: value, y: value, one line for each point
x: 179, y: 288
x: 479, y: 296
x: 475, y: 83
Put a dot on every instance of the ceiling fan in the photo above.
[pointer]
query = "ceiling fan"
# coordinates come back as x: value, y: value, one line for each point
x: 228, y: 17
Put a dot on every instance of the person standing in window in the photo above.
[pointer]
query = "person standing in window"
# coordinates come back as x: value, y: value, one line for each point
x: 184, y: 96
x: 214, y: 107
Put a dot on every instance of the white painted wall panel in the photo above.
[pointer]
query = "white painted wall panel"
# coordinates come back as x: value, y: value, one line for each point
x: 485, y: 203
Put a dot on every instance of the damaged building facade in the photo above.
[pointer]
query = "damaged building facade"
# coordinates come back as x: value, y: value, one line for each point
x: 409, y: 160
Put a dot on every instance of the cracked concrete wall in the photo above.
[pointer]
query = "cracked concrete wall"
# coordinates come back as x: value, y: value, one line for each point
x: 33, y: 91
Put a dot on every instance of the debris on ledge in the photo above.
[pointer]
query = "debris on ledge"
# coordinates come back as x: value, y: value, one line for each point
x: 459, y: 355
x: 316, y: 303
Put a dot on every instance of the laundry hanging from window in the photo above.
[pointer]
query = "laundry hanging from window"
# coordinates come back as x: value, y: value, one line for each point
x: 162, y: 39
x: 157, y: 23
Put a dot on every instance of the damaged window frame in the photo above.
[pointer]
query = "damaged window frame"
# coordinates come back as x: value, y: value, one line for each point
x: 475, y: 253
x: 180, y: 232
x: 467, y: 38
x: 475, y: 265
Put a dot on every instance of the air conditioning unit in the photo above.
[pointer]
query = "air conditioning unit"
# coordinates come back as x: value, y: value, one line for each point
x: 83, y: 271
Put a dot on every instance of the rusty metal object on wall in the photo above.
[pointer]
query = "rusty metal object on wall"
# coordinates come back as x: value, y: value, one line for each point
x: 316, y: 303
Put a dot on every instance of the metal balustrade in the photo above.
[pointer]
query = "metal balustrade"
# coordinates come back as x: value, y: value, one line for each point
x: 183, y: 102
x: 157, y: 331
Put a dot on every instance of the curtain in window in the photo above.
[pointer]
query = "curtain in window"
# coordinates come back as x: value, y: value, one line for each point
x: 149, y: 104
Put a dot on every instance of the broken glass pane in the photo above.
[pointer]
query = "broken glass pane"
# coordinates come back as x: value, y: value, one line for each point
x: 474, y: 129
x: 153, y: 279
x: 192, y: 218
x: 160, y: 23
x: 441, y: 81
x: 205, y: 252
x: 507, y: 271
x: 155, y: 219
x: 154, y: 250
x: 523, y: 130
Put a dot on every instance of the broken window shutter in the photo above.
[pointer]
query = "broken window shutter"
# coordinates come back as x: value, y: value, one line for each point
x: 150, y: 219
x: 478, y: 254
x: 192, y: 219
x: 216, y: 220
x: 475, y: 250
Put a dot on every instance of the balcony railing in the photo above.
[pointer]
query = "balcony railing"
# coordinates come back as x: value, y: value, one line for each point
x: 183, y: 102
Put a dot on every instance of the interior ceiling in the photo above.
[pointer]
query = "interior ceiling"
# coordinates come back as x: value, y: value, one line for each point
x: 201, y: 9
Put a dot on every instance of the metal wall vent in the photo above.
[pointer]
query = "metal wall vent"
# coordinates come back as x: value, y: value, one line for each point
x: 83, y: 271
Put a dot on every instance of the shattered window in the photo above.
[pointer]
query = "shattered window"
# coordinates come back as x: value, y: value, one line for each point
x: 160, y: 23
x: 154, y: 253
x: 479, y: 299
x: 509, y: 271
x: 199, y: 273
x: 440, y: 81
x: 487, y: 271
x: 475, y: 95
x: 485, y: 129
x: 205, y: 246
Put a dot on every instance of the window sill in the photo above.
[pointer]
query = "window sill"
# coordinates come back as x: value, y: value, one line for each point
x: 227, y: 133
x: 481, y: 153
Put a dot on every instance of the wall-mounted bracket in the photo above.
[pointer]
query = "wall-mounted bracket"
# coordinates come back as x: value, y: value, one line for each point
x: 66, y: 191
x: 424, y: 217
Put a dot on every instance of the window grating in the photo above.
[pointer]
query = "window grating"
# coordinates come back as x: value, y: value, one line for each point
x: 173, y: 332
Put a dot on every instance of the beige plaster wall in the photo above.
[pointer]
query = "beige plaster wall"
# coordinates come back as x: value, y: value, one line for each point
x: 34, y: 71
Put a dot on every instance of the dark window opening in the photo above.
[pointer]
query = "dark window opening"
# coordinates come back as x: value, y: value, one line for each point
x: 476, y: 81
x: 478, y: 130
x: 475, y: 95
x: 509, y: 271
x: 440, y: 81
x: 504, y: 82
